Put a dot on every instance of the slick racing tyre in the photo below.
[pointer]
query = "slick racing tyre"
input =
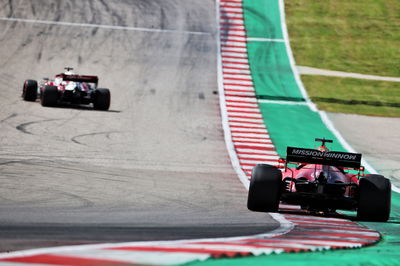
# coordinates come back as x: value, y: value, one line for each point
x: 29, y: 90
x: 265, y: 189
x: 374, y: 198
x: 49, y: 96
x: 102, y: 99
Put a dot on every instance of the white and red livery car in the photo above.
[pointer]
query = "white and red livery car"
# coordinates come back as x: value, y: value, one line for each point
x: 69, y: 88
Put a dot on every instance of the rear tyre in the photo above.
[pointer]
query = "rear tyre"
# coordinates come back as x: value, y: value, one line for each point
x: 374, y: 198
x: 49, y: 96
x: 102, y: 99
x: 29, y: 90
x: 265, y: 189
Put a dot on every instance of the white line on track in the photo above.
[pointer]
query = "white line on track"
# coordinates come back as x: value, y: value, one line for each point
x: 261, y: 130
x: 244, y: 135
x: 239, y: 88
x: 234, y: 44
x: 245, y: 119
x: 236, y: 71
x: 245, y: 105
x: 248, y: 120
x: 247, y: 94
x: 234, y: 59
x: 245, y: 115
x: 233, y: 98
x: 253, y: 161
x: 258, y: 158
x: 232, y: 10
x: 271, y: 157
x: 237, y: 81
x: 232, y: 29
x: 237, y: 78
x: 245, y: 67
x: 233, y: 19
x: 247, y: 110
x: 240, y: 139
x: 236, y: 27
x: 240, y: 54
x: 111, y: 27
x: 235, y: 124
x: 239, y: 50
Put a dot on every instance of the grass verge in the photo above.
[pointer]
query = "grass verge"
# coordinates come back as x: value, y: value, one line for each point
x: 359, y: 36
x: 357, y: 96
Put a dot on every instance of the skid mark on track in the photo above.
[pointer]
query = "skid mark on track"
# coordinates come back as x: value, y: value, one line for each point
x: 85, y: 203
x: 107, y: 135
x: 23, y: 127
x: 8, y: 117
x: 11, y: 162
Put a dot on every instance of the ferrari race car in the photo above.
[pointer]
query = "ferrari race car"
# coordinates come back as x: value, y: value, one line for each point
x: 67, y: 87
x: 320, y: 181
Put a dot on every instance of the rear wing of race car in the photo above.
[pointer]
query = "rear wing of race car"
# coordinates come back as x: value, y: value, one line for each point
x: 333, y: 158
x: 79, y: 78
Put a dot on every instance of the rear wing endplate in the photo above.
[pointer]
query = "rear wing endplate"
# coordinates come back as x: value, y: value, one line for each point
x: 334, y: 158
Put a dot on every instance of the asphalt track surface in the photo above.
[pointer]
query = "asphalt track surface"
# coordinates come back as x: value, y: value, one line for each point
x: 155, y: 166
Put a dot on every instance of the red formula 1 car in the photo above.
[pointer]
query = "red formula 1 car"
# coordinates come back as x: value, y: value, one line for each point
x: 320, y: 181
x: 67, y: 87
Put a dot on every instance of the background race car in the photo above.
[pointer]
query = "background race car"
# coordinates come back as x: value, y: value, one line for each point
x: 320, y: 181
x: 67, y: 87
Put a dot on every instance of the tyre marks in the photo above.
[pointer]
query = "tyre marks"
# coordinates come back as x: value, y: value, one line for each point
x: 23, y: 127
x: 4, y: 120
x: 76, y: 139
